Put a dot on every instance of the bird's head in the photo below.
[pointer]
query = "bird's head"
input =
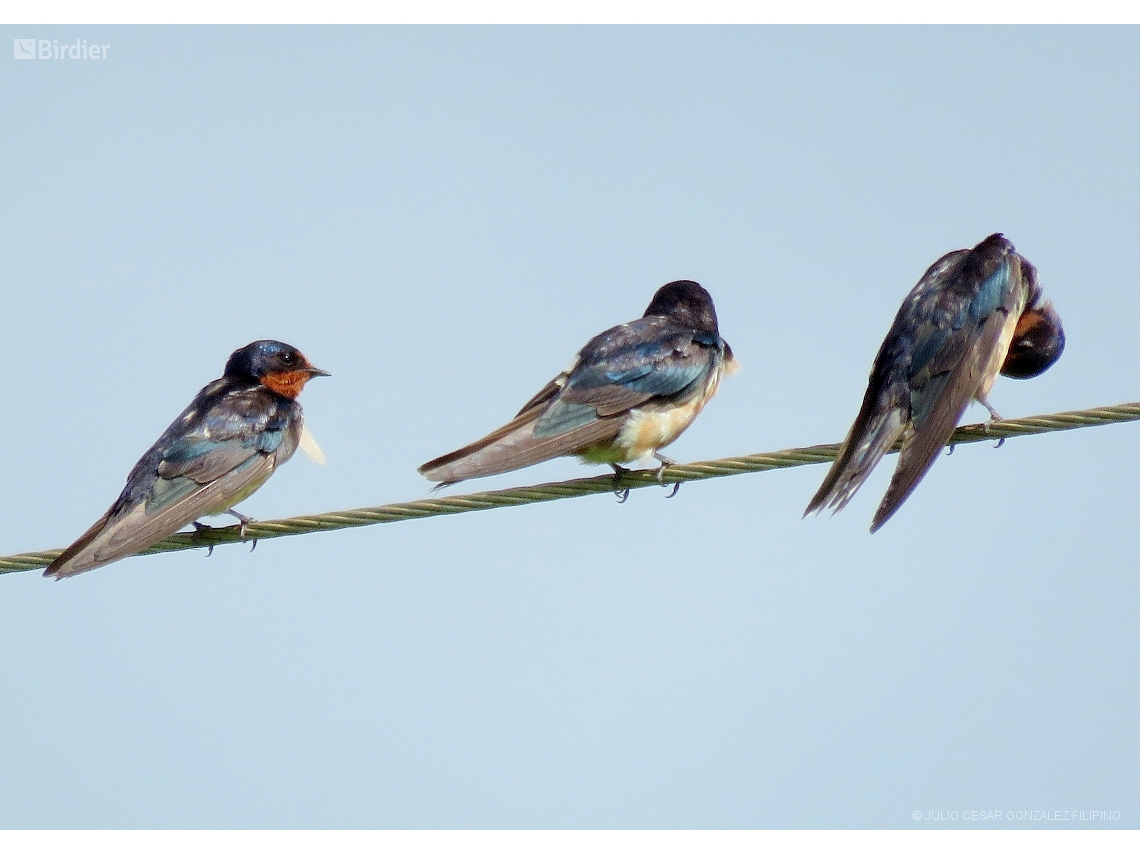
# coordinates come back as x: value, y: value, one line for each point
x: 686, y: 303
x: 276, y: 365
x: 1038, y: 339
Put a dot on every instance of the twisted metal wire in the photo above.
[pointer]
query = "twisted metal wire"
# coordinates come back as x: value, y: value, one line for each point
x: 634, y: 480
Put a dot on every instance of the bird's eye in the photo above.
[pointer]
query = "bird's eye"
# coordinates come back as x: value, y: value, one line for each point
x: 287, y: 358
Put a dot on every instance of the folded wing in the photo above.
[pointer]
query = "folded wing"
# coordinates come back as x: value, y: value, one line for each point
x: 207, y: 470
x: 932, y: 363
x: 629, y: 366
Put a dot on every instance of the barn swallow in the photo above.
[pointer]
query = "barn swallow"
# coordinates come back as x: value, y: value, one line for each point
x: 975, y: 313
x: 629, y: 392
x: 222, y: 447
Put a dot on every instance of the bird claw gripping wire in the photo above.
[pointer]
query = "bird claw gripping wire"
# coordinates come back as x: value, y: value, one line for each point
x: 622, y: 493
x: 243, y: 521
x: 665, y: 461
x: 200, y: 527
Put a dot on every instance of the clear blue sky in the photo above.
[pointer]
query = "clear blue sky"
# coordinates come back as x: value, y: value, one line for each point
x: 441, y: 217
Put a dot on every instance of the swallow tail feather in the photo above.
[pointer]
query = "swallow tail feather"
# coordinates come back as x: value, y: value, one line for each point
x: 515, y: 446
x: 874, y: 433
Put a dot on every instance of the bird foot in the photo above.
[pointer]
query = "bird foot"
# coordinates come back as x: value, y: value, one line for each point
x: 622, y: 493
x: 200, y: 527
x: 666, y: 461
x: 243, y: 521
x: 995, y: 416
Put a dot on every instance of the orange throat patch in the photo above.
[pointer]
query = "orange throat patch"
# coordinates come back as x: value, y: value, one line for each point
x: 1027, y: 321
x: 287, y: 383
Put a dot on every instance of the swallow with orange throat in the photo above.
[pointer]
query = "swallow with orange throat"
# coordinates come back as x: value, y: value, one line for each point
x: 974, y: 314
x: 222, y: 448
x: 629, y: 392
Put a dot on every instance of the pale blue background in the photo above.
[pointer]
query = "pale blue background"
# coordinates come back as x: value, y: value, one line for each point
x: 441, y: 217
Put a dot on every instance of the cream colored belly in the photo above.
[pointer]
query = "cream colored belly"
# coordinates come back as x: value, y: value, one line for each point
x: 242, y: 494
x: 648, y: 430
x: 993, y: 366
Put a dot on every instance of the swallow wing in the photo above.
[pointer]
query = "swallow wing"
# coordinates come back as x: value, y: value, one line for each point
x: 514, y: 446
x: 929, y: 367
x: 207, y: 467
x: 140, y: 527
x: 954, y: 346
x: 629, y: 369
x: 635, y: 364
x: 885, y: 412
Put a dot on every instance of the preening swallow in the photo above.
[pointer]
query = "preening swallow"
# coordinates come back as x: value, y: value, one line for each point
x: 975, y: 313
x: 225, y: 445
x: 628, y: 393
